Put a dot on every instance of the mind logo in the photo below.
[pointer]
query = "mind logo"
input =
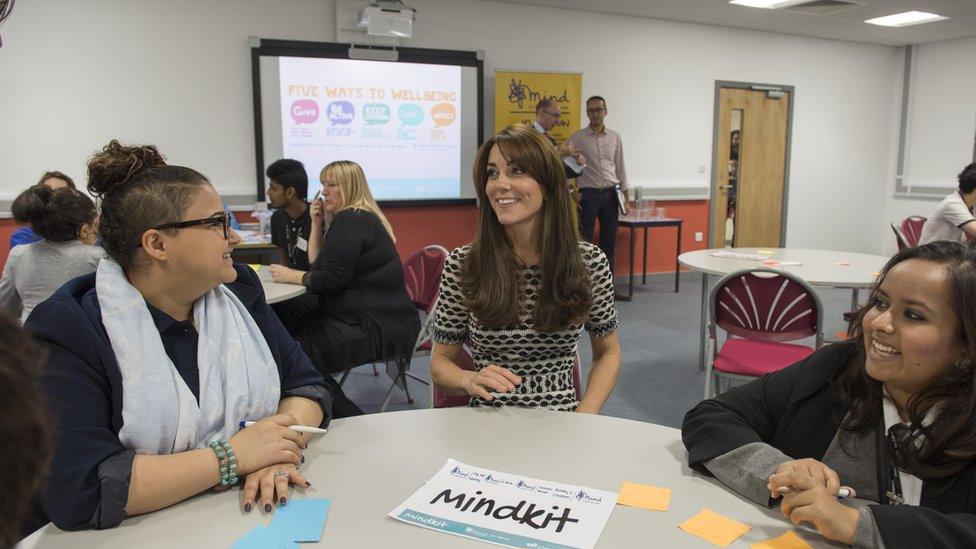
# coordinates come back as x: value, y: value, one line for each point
x: 304, y: 111
x: 376, y: 113
x: 443, y: 114
x: 410, y: 114
x: 340, y: 112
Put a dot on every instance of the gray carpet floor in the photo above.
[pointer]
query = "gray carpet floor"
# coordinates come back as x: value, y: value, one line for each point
x: 659, y: 375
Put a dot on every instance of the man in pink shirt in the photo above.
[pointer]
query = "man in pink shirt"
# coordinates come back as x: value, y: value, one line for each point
x: 604, y: 171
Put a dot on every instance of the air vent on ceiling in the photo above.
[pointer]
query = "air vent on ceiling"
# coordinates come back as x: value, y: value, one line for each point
x: 822, y: 7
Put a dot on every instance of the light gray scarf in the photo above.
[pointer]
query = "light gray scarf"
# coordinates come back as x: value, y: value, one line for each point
x: 238, y: 376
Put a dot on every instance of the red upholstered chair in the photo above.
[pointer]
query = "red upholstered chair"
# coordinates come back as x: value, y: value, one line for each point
x: 422, y: 274
x: 441, y: 399
x: 760, y: 310
x: 911, y: 229
x: 900, y: 239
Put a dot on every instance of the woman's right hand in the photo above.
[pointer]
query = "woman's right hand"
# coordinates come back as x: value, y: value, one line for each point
x: 819, y: 472
x: 317, y: 212
x: 490, y: 378
x: 267, y: 442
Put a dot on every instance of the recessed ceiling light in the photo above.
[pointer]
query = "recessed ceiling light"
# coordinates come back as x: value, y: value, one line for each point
x: 767, y: 4
x: 905, y: 19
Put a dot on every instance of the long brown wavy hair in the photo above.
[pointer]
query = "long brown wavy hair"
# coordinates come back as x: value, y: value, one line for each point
x: 489, y: 275
x: 950, y: 441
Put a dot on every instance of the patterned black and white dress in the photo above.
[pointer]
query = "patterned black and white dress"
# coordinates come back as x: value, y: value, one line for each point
x: 543, y: 360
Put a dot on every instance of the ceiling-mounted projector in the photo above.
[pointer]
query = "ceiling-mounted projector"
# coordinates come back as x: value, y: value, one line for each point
x: 388, y: 18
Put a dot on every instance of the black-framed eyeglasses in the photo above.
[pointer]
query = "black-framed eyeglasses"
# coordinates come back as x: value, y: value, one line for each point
x: 221, y: 220
x: 598, y: 109
x: 557, y: 114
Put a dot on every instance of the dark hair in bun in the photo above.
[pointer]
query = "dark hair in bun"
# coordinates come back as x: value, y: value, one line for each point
x: 139, y: 191
x: 54, y: 214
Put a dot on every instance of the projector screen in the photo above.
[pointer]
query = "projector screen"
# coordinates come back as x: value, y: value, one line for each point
x: 414, y: 125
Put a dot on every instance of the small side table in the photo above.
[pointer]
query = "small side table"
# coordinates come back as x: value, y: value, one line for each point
x: 634, y: 223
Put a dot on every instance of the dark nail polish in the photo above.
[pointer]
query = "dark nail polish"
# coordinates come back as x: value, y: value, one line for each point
x: 282, y: 501
x: 308, y: 484
x: 247, y: 507
x: 303, y: 459
x: 267, y: 507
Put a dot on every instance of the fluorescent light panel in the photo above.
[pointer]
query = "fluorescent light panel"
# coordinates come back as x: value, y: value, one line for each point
x: 765, y: 4
x: 905, y: 19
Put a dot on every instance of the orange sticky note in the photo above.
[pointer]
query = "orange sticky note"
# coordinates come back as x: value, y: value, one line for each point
x: 789, y: 540
x: 714, y: 528
x: 644, y: 496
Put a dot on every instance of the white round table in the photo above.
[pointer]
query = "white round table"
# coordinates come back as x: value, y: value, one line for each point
x: 825, y: 268
x: 369, y: 464
x: 274, y: 291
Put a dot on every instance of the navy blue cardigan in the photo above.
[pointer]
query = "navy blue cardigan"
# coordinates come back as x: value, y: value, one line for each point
x: 89, y: 475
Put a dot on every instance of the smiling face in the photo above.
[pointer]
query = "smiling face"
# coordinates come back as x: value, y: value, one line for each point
x: 911, y: 333
x: 201, y: 254
x: 514, y: 195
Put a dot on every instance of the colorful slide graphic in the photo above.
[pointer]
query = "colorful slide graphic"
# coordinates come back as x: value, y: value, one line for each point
x: 399, y: 121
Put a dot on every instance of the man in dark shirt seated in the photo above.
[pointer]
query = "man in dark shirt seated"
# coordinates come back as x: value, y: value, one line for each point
x: 290, y: 223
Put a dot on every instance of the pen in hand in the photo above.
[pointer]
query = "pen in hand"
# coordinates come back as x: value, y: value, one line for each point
x: 841, y: 494
x: 299, y: 428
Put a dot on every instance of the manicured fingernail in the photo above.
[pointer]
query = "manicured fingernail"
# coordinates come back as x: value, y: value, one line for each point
x: 282, y: 501
x: 307, y: 484
x: 303, y: 459
x: 267, y: 507
x: 247, y: 507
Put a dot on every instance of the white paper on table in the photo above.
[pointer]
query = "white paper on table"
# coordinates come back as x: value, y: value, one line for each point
x: 508, y: 510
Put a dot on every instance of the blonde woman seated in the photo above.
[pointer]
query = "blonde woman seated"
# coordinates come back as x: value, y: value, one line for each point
x: 357, y: 310
x: 521, y: 292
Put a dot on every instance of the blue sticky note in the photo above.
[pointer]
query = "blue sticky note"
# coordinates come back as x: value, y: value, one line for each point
x: 262, y: 538
x: 301, y: 519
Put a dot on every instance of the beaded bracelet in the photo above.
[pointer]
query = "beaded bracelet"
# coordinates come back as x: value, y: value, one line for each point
x: 226, y: 460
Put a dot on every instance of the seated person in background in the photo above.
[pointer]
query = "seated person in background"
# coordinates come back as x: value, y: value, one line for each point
x: 291, y: 224
x: 67, y: 221
x: 953, y: 217
x: 24, y: 235
x: 361, y: 312
x: 25, y: 430
x: 889, y: 413
x: 521, y: 293
x: 156, y: 358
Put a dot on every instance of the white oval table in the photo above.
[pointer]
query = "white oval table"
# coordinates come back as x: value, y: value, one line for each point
x: 825, y: 268
x: 274, y: 291
x: 369, y: 464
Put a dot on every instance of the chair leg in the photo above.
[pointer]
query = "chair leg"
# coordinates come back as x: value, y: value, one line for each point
x: 420, y: 379
x: 388, y: 397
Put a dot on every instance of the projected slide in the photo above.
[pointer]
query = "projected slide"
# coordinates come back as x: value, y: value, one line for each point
x: 399, y: 121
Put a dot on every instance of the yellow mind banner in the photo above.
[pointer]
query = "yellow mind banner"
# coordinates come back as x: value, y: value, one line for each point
x: 517, y: 93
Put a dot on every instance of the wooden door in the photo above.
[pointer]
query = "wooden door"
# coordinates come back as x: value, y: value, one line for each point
x: 759, y: 170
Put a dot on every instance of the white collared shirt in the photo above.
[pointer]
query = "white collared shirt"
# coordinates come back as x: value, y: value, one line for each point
x: 911, y: 486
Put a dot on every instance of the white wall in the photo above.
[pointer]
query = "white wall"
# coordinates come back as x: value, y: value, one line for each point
x: 177, y: 74
x: 942, y: 127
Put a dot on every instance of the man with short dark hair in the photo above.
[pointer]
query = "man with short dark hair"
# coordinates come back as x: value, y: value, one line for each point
x: 953, y: 217
x: 290, y: 223
x: 603, y: 173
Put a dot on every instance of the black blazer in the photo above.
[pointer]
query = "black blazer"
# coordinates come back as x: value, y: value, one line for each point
x: 798, y: 410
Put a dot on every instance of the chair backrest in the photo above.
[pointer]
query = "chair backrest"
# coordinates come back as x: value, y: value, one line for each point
x: 440, y: 399
x: 900, y: 238
x: 422, y: 275
x: 766, y: 305
x: 911, y: 229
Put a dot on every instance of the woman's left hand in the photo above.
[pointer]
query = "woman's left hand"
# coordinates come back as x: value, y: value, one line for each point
x: 811, y: 501
x: 272, y: 484
x: 286, y: 275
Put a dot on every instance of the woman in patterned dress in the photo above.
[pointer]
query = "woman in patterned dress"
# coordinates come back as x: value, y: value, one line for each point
x: 521, y: 292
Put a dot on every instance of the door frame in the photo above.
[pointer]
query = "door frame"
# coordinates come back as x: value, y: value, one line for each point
x: 719, y: 84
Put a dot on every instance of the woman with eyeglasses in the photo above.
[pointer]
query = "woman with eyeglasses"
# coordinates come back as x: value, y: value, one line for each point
x: 66, y: 220
x: 888, y: 416
x: 157, y: 357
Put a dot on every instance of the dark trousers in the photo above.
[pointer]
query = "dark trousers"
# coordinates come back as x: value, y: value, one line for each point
x: 602, y: 204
